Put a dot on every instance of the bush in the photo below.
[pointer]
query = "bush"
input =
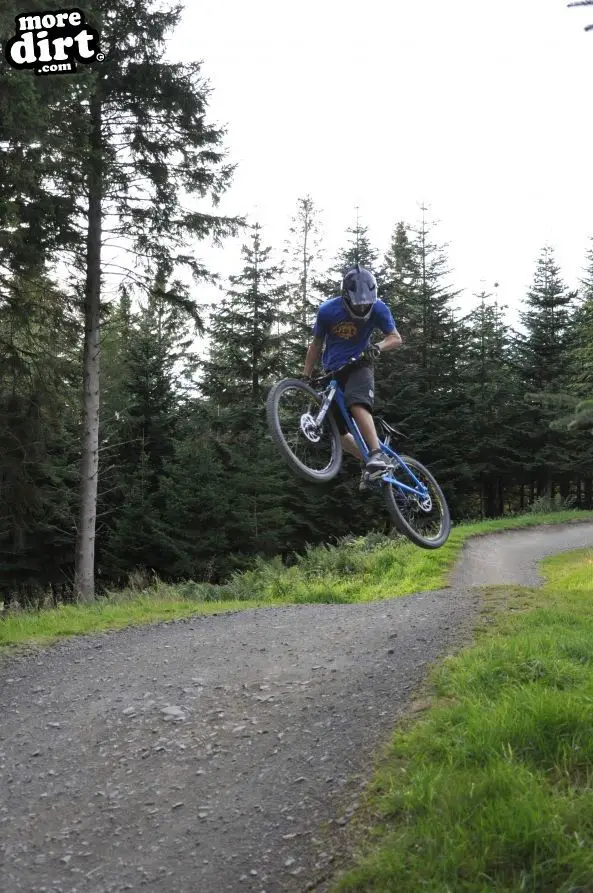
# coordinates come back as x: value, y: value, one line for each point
x: 544, y: 504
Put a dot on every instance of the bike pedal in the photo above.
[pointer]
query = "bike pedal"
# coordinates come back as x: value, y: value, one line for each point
x: 377, y: 475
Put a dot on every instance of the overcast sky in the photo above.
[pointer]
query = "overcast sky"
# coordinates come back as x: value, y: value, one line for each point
x: 481, y: 110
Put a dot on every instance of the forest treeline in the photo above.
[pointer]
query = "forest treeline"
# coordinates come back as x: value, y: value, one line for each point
x: 125, y: 452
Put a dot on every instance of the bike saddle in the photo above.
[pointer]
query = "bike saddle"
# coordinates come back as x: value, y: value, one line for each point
x: 389, y: 428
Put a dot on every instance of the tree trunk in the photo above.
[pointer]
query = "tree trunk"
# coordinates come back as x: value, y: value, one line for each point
x: 490, y: 495
x: 84, y: 573
x: 588, y: 493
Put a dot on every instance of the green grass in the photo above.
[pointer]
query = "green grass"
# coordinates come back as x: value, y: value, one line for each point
x: 489, y: 786
x: 48, y: 625
x: 356, y: 570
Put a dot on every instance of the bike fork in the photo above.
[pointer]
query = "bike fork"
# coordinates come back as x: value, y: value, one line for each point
x: 324, y: 407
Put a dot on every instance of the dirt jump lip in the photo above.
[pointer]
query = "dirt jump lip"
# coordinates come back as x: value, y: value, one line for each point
x: 209, y: 754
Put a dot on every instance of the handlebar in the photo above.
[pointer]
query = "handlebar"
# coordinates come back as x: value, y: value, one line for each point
x: 332, y: 372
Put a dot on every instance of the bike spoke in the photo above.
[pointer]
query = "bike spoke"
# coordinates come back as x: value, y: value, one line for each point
x: 427, y: 523
x: 297, y: 410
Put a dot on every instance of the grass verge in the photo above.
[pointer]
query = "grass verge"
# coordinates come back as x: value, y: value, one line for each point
x: 490, y: 787
x: 356, y: 570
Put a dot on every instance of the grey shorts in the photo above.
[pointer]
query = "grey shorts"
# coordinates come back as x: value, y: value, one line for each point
x: 358, y: 385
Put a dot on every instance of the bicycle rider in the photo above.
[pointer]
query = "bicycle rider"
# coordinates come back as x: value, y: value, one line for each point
x: 343, y: 330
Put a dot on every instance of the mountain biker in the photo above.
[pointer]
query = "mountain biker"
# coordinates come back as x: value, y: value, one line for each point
x: 343, y: 330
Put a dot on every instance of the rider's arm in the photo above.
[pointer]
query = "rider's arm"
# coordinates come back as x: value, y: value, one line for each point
x: 313, y: 354
x: 394, y: 339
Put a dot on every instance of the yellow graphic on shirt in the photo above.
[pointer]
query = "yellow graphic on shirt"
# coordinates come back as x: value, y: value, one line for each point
x: 345, y: 330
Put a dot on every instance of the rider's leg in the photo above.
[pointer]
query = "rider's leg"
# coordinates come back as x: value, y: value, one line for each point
x: 348, y: 442
x: 377, y: 463
x: 365, y: 422
x: 349, y: 445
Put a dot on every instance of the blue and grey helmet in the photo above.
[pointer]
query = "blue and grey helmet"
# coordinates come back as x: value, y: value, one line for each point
x: 359, y: 291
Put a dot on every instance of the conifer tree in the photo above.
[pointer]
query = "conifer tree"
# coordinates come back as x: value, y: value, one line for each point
x: 570, y: 410
x: 303, y: 253
x: 137, y: 137
x: 490, y: 390
x: 245, y: 356
x: 39, y: 356
x: 144, y: 432
x: 543, y: 358
x: 357, y: 250
x: 418, y: 386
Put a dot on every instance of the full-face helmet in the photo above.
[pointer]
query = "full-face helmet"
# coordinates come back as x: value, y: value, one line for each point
x: 359, y: 291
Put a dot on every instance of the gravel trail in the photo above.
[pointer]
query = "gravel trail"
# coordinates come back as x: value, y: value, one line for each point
x: 210, y: 754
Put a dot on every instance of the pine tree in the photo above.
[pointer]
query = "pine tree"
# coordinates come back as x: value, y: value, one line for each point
x: 245, y: 355
x: 358, y: 250
x: 38, y: 425
x: 196, y: 501
x: 36, y: 220
x: 543, y: 356
x: 245, y: 350
x: 399, y: 274
x: 490, y: 390
x: 419, y: 385
x: 142, y: 434
x: 303, y: 254
x: 137, y: 137
x: 570, y: 410
x: 582, y: 351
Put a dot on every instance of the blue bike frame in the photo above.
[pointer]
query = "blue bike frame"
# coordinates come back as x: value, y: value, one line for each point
x: 334, y: 392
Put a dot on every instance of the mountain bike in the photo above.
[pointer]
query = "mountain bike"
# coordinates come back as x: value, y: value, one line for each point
x: 307, y: 435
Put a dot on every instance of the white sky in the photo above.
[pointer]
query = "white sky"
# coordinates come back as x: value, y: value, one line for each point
x: 481, y: 110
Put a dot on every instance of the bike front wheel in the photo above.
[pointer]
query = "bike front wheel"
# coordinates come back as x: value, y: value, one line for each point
x: 313, y: 453
x: 427, y: 523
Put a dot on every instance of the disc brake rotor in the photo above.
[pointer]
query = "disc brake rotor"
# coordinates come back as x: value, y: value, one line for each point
x: 309, y: 428
x: 425, y: 504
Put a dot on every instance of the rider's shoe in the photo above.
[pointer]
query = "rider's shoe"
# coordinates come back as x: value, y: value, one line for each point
x: 377, y: 465
x: 364, y: 478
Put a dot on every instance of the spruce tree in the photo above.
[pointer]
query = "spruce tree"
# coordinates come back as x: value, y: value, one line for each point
x: 571, y: 409
x: 245, y: 357
x: 490, y: 390
x: 137, y: 138
x: 357, y: 250
x: 141, y: 435
x: 196, y: 499
x: 418, y: 385
x: 245, y: 350
x: 303, y: 253
x: 39, y: 357
x: 543, y: 355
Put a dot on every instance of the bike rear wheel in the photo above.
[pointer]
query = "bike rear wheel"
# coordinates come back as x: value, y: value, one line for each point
x: 426, y: 523
x: 314, y: 454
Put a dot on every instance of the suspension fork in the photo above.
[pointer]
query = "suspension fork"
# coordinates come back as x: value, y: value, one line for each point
x: 329, y: 396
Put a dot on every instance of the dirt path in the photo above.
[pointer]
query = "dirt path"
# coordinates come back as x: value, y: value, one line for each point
x: 206, y: 755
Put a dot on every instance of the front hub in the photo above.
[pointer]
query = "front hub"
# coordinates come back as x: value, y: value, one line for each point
x: 309, y: 428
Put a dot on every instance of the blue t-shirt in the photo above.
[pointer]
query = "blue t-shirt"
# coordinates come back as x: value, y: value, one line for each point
x: 345, y: 337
